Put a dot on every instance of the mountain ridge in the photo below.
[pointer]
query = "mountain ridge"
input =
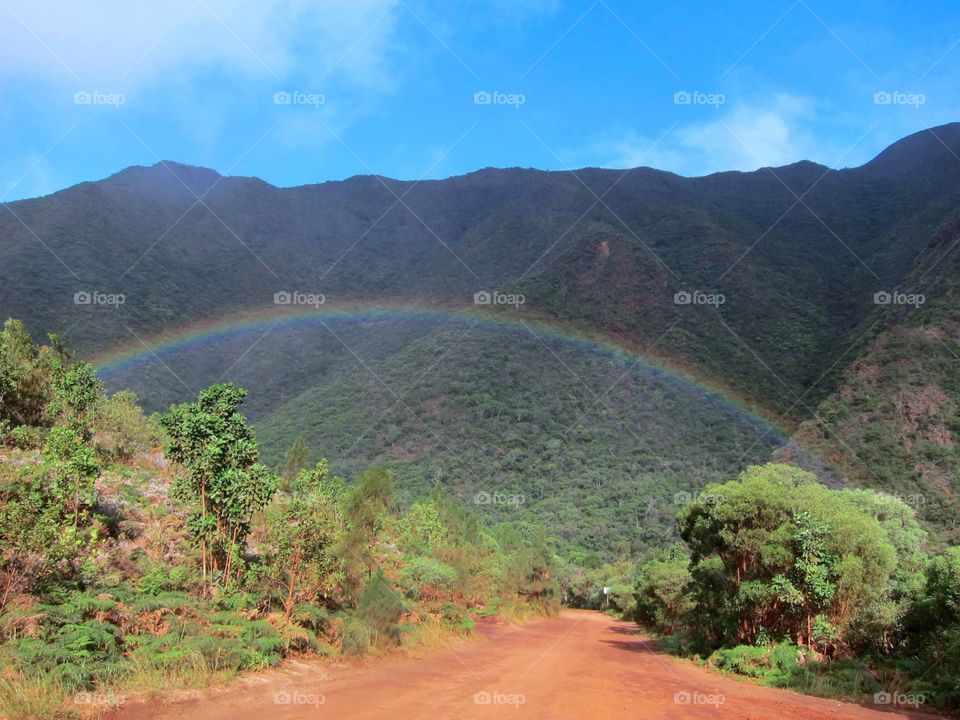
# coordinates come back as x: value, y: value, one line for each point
x: 888, y: 155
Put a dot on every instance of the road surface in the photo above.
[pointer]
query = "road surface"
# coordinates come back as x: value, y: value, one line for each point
x: 579, y: 665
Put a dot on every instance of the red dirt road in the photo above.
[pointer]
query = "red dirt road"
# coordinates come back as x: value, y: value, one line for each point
x: 580, y: 665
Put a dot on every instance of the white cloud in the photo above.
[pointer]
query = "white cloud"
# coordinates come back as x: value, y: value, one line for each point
x: 743, y: 137
x: 751, y: 137
x: 131, y: 43
x: 191, y: 68
x: 31, y: 175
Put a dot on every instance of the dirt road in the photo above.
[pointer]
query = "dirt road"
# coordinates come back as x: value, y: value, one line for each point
x: 580, y: 665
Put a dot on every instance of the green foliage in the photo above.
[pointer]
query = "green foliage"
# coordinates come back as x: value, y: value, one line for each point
x: 773, y: 548
x: 31, y: 520
x: 423, y: 527
x: 120, y: 428
x: 295, y: 461
x: 561, y: 461
x: 933, y: 627
x: 76, y: 393
x: 783, y: 571
x: 25, y: 437
x: 223, y: 480
x: 113, y: 602
x: 74, y: 469
x: 379, y: 609
x: 773, y: 663
x: 302, y: 533
x: 663, y: 597
x: 26, y: 375
x: 528, y: 567
x: 420, y: 571
x: 363, y: 507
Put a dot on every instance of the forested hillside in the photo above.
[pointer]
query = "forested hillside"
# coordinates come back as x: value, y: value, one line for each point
x: 798, y: 253
x: 894, y: 420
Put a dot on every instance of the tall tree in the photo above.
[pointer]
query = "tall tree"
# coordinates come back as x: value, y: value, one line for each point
x: 294, y: 461
x: 223, y: 479
x: 73, y: 468
x: 302, y: 533
x: 364, y: 505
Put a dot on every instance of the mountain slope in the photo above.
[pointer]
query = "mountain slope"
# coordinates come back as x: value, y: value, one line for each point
x: 894, y: 420
x: 603, y: 249
x: 798, y: 254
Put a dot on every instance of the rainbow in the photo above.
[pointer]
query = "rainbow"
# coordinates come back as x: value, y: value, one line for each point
x: 284, y: 318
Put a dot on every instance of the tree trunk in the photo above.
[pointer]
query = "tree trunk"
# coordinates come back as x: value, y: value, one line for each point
x: 294, y: 568
x: 203, y: 538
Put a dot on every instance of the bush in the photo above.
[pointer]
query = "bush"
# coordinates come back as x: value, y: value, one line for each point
x: 24, y: 437
x: 773, y: 663
x: 425, y: 571
x: 357, y: 637
x: 375, y: 622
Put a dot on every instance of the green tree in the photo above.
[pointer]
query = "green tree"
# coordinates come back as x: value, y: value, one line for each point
x: 808, y: 587
x: 76, y: 392
x: 302, y: 533
x: 663, y: 594
x: 212, y: 441
x: 31, y: 527
x: 73, y: 468
x: 295, y: 461
x: 756, y: 569
x: 26, y: 372
x: 364, y: 505
x: 120, y: 428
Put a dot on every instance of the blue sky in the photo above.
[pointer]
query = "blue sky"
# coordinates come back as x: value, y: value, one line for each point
x: 390, y: 86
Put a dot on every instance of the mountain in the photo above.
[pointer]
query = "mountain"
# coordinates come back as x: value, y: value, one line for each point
x: 796, y: 253
x: 893, y: 421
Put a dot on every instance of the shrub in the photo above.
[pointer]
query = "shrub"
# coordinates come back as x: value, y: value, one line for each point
x: 425, y: 571
x: 24, y: 437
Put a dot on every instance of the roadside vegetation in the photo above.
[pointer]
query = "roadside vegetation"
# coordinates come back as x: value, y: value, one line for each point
x: 141, y: 554
x: 782, y: 579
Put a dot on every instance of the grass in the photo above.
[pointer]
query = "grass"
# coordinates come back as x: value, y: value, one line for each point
x: 153, y: 680
x: 427, y: 637
x: 25, y: 697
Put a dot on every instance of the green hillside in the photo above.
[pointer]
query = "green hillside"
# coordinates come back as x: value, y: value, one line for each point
x: 589, y: 446
x: 594, y: 248
x: 894, y: 420
x: 798, y: 254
